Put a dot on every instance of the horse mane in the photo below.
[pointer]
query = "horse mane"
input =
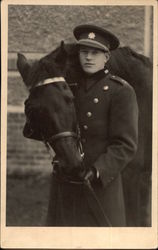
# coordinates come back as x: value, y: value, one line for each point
x: 135, y: 68
x: 143, y: 59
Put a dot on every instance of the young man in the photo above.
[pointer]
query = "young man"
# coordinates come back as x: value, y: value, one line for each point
x: 108, y: 119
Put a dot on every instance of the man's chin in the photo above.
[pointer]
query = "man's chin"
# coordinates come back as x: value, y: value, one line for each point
x: 89, y: 71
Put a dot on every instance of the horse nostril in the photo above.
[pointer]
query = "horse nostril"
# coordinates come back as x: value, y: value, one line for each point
x: 69, y: 100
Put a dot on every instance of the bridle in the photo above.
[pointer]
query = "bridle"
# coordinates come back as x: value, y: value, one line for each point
x: 64, y: 134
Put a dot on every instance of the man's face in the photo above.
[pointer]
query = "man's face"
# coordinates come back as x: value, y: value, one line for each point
x: 91, y: 59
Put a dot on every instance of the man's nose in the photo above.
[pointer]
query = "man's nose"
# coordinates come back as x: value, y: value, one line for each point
x: 88, y: 55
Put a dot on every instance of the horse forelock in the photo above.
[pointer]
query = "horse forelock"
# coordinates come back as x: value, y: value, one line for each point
x: 46, y: 67
x: 35, y: 74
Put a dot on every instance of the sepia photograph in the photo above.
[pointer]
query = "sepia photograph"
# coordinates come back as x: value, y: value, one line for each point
x: 79, y: 124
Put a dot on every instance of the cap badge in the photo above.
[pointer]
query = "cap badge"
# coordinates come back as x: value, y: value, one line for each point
x: 91, y: 35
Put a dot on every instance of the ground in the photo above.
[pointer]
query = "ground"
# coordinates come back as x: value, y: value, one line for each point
x: 27, y: 200
x: 28, y: 196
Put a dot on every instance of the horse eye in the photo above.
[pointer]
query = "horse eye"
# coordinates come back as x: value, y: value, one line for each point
x: 65, y: 86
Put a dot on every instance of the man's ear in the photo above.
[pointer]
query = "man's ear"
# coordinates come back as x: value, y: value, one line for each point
x: 107, y: 56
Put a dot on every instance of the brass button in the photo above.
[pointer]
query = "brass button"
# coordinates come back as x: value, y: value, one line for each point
x: 85, y: 127
x: 105, y: 88
x: 106, y: 71
x: 97, y: 174
x: 95, y: 100
x: 89, y: 114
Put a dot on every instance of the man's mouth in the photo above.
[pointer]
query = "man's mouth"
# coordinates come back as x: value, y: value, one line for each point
x: 88, y: 64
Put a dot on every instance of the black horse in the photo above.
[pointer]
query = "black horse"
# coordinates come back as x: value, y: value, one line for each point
x: 53, y: 119
x: 57, y: 116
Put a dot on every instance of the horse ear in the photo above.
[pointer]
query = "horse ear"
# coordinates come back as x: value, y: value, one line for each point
x: 62, y: 44
x: 23, y: 66
x: 62, y: 54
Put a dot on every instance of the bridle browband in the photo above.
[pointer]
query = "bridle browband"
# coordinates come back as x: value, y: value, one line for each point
x: 49, y: 81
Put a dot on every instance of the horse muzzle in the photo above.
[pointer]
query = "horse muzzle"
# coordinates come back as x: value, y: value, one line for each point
x: 68, y: 149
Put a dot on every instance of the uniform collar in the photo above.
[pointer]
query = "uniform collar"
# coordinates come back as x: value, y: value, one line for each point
x: 88, y: 81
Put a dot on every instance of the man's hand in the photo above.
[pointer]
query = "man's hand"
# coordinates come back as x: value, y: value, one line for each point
x: 88, y: 175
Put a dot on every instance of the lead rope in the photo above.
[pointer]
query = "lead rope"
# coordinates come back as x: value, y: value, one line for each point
x: 80, y: 148
x: 88, y: 184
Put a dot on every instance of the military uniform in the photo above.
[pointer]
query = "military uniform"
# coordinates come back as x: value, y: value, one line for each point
x: 108, y: 117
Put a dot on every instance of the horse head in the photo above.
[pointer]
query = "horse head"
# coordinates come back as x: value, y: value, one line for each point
x: 50, y: 105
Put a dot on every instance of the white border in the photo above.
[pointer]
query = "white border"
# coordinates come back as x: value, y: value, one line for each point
x: 68, y: 238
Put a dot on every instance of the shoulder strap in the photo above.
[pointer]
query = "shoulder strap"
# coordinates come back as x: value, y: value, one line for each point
x: 118, y: 79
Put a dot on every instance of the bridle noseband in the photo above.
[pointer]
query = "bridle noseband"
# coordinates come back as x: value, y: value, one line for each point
x: 48, y: 81
x: 62, y: 135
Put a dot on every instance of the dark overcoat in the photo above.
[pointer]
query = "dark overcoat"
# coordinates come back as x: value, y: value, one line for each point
x: 108, y: 118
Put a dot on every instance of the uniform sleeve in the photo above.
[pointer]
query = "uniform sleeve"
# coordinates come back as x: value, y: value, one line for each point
x: 123, y: 135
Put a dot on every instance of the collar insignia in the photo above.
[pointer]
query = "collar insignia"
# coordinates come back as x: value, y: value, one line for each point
x: 91, y: 35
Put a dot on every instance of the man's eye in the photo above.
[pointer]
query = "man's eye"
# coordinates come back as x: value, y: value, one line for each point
x: 95, y: 52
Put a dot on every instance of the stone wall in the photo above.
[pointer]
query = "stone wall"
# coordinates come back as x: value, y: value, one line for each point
x: 41, y: 28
